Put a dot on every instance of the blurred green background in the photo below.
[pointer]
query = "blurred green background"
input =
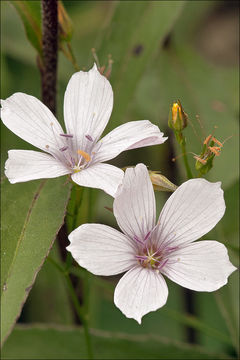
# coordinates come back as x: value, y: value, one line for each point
x: 162, y: 51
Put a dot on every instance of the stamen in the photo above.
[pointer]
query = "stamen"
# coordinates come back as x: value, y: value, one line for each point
x: 147, y: 236
x: 66, y: 135
x: 163, y: 264
x: 85, y: 155
x: 141, y: 257
x: 72, y: 160
x: 89, y: 137
x: 137, y: 239
x: 170, y: 249
x: 64, y: 148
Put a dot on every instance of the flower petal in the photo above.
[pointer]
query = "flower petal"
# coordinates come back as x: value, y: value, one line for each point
x: 200, y: 266
x: 25, y: 165
x: 101, y: 176
x: 134, y: 134
x: 190, y: 212
x: 32, y: 121
x: 140, y: 291
x: 101, y: 249
x: 88, y: 103
x: 134, y: 205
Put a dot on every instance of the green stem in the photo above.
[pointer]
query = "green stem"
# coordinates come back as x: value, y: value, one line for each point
x: 189, y: 298
x: 78, y: 193
x: 79, y: 309
x: 185, y: 159
x: 81, y: 315
x: 78, y: 201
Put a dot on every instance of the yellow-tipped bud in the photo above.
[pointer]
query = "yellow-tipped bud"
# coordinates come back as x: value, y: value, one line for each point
x: 160, y: 182
x: 177, y: 119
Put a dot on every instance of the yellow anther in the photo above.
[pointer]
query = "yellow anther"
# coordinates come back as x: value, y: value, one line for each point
x: 85, y: 155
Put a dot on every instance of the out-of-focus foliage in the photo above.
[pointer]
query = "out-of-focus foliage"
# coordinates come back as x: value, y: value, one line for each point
x: 162, y: 51
x: 148, y: 23
x: 68, y: 343
x: 50, y: 292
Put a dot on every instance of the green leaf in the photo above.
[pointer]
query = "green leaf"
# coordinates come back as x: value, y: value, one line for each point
x: 32, y: 214
x: 64, y: 23
x: 40, y: 342
x: 30, y: 13
x: 132, y: 37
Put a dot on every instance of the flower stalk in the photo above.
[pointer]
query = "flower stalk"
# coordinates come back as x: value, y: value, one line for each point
x: 79, y: 309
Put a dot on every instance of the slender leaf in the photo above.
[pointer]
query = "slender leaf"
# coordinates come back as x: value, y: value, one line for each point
x: 30, y: 13
x: 40, y: 342
x: 199, y: 325
x: 32, y: 214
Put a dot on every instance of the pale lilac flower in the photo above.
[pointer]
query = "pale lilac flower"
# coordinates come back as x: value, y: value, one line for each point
x: 88, y: 105
x: 147, y: 251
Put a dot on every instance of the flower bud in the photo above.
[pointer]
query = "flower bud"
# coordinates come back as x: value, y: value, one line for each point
x: 160, y: 182
x: 204, y: 165
x: 177, y: 119
x: 204, y: 161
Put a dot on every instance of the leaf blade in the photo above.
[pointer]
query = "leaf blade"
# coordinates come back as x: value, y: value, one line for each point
x: 30, y: 13
x: 23, y: 251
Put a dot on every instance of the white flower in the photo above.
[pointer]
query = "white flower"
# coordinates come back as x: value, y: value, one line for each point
x: 88, y: 105
x: 147, y: 251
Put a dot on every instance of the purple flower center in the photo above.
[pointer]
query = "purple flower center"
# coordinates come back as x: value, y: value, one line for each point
x: 150, y: 256
x: 75, y: 159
